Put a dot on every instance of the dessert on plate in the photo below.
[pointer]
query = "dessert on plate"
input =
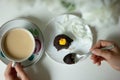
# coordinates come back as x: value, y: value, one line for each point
x: 62, y: 41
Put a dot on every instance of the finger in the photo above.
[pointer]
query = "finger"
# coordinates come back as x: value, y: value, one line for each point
x: 97, y: 59
x: 106, y: 54
x: 8, y: 69
x: 20, y: 71
x: 100, y: 59
x: 116, y: 48
x: 105, y: 43
x: 97, y: 45
x: 102, y: 43
x: 94, y: 58
x: 116, y: 67
x: 99, y: 63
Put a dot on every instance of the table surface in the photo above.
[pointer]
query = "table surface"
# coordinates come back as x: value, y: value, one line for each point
x: 104, y: 25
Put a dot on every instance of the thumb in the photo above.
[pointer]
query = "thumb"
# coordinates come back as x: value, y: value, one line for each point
x: 20, y: 71
x: 102, y: 53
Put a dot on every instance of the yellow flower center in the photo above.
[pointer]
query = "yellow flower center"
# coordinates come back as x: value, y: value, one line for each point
x: 62, y: 41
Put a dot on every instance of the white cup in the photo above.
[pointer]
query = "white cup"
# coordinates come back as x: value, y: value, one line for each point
x: 25, y: 42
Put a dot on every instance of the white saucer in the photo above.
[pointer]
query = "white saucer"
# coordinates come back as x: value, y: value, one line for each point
x: 75, y: 28
x: 24, y: 23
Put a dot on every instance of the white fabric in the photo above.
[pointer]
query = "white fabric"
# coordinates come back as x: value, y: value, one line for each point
x: 102, y: 15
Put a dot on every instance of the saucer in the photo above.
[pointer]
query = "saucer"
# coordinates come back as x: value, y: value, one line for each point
x: 72, y: 26
x: 36, y: 32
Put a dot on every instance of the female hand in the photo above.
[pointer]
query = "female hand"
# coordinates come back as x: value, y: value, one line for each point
x: 15, y: 73
x: 111, y: 56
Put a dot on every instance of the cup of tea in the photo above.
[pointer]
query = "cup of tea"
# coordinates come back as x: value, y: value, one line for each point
x: 17, y: 44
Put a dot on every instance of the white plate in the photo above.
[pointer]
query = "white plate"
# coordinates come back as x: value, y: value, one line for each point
x: 24, y: 23
x: 75, y: 28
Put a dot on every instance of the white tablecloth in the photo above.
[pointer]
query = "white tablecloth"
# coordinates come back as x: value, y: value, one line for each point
x: 46, y: 68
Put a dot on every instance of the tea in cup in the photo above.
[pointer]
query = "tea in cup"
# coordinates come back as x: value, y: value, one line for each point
x: 17, y: 44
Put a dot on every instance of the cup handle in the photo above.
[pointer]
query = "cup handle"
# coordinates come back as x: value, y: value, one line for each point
x: 13, y: 64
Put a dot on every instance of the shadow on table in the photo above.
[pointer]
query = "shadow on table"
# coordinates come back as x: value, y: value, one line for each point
x: 40, y: 22
x: 94, y: 34
x: 114, y: 37
x: 38, y: 71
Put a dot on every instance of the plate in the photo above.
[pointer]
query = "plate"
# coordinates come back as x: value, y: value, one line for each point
x: 36, y: 32
x: 72, y: 26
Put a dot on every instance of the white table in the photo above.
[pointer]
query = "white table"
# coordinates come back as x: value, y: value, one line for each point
x: 46, y: 68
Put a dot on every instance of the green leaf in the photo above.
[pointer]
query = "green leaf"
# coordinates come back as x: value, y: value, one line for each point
x: 36, y: 32
x: 31, y: 58
x: 68, y: 5
x: 2, y: 54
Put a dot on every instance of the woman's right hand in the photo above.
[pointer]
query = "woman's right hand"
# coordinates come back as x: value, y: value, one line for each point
x: 111, y: 56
